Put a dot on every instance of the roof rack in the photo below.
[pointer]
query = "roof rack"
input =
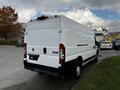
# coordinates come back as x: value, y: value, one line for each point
x: 42, y: 18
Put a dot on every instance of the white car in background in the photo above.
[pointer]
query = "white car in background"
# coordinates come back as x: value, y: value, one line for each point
x: 106, y: 45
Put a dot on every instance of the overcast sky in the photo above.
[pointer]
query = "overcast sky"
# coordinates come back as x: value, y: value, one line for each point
x: 95, y: 13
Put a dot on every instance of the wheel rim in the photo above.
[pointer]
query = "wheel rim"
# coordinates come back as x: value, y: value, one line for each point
x: 78, y: 70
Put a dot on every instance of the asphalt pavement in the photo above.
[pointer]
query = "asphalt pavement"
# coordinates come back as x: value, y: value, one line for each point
x: 14, y: 77
x: 108, y: 53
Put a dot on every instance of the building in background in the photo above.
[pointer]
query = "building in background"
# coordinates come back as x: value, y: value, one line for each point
x: 101, y: 34
x: 23, y: 26
x: 114, y: 35
x: 20, y: 40
x: 105, y: 34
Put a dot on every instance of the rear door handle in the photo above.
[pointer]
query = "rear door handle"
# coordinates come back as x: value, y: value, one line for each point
x: 44, y: 50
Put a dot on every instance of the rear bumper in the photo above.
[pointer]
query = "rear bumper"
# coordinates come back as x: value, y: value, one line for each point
x: 105, y: 47
x: 43, y: 69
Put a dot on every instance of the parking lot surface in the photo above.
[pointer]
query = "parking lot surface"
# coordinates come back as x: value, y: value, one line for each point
x: 13, y: 76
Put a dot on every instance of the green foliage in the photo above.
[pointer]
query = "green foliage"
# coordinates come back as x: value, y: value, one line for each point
x: 104, y: 76
x: 8, y: 42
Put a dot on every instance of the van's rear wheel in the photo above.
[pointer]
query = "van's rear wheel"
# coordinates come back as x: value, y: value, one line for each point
x: 40, y: 73
x: 77, y: 71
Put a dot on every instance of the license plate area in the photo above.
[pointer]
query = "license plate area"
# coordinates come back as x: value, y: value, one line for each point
x: 33, y: 57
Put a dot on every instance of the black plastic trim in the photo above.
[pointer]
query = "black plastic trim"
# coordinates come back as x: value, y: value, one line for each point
x: 89, y: 58
x: 41, y: 68
x: 82, y: 44
x: 33, y: 57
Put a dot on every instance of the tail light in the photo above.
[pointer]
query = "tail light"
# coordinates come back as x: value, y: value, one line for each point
x: 25, y: 50
x: 61, y: 53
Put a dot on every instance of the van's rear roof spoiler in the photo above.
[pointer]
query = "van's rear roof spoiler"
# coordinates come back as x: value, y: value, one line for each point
x: 42, y: 18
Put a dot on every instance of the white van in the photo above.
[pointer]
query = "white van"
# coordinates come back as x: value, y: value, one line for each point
x: 58, y: 45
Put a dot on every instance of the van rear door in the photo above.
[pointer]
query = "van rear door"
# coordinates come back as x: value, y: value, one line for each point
x: 43, y: 46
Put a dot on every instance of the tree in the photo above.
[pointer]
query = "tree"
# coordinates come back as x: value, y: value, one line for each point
x: 9, y: 27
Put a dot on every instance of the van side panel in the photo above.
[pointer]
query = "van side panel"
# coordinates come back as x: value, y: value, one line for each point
x: 79, y: 40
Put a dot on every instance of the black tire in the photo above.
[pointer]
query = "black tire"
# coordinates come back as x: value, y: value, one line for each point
x: 40, y: 73
x: 77, y: 71
x: 97, y: 55
x: 96, y: 58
